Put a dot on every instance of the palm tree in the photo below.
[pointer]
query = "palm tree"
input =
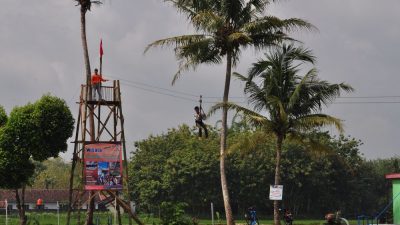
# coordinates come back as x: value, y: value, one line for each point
x: 284, y: 103
x: 223, y: 29
x: 85, y: 6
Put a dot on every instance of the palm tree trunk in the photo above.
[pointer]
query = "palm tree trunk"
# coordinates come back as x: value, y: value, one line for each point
x: 90, y: 209
x: 89, y: 217
x: 224, y: 184
x: 119, y: 215
x: 84, y: 44
x: 88, y: 71
x: 277, y: 176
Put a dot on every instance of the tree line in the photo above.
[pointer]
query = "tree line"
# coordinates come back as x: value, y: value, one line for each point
x: 176, y: 167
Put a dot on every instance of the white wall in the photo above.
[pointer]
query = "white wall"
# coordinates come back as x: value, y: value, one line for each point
x: 52, y: 206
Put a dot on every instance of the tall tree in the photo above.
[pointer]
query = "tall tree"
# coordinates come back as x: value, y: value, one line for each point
x: 85, y: 6
x: 285, y: 103
x: 223, y: 29
x: 3, y: 116
x: 32, y: 132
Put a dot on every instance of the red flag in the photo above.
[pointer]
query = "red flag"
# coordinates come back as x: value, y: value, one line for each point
x: 101, y: 48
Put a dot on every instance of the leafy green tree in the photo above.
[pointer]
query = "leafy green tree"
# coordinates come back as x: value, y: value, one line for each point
x: 250, y: 168
x: 167, y: 168
x: 54, y: 174
x: 292, y: 103
x: 224, y: 28
x: 3, y: 116
x: 33, y: 132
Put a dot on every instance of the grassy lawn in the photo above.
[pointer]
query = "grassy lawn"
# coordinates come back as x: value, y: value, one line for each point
x: 102, y: 218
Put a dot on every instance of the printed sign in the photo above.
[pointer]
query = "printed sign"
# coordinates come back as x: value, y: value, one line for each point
x: 103, y: 167
x: 275, y: 192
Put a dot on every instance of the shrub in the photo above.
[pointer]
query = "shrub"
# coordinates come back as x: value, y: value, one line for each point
x: 174, y: 214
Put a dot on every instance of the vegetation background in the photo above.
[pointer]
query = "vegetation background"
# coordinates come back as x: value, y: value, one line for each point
x: 178, y: 167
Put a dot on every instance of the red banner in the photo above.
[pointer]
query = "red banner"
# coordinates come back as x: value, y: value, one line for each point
x: 103, y: 167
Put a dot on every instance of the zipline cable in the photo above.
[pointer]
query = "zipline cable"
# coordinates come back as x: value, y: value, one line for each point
x: 186, y: 95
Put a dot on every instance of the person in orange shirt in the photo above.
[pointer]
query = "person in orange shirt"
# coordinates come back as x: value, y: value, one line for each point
x: 39, y: 203
x: 96, y: 83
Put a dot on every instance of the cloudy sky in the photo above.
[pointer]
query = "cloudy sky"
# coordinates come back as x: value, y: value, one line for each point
x: 358, y: 42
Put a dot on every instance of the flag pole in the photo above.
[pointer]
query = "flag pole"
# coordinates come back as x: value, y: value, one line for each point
x: 101, y: 57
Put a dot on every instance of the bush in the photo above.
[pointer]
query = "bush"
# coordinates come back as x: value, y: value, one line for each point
x: 174, y: 214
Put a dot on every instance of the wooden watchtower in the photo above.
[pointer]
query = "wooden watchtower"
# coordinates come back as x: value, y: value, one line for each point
x: 100, y: 121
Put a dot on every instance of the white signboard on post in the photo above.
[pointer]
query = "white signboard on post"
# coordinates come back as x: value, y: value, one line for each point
x: 275, y: 192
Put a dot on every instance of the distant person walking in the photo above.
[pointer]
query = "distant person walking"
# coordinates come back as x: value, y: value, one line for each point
x: 199, y: 116
x: 96, y: 84
x: 251, y: 216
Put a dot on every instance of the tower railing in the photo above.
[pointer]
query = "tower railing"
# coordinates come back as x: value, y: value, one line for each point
x: 108, y: 93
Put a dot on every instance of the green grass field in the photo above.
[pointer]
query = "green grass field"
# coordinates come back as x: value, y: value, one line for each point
x: 103, y: 218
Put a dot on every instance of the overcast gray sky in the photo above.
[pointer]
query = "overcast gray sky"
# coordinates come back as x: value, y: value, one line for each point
x: 40, y: 52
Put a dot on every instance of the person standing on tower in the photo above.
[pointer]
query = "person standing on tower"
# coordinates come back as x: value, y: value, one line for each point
x: 96, y: 84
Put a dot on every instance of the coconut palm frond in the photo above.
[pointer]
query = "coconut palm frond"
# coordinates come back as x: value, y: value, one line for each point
x: 258, y: 68
x: 258, y: 5
x: 176, y: 41
x: 230, y: 9
x: 251, y: 88
x: 322, y: 93
x: 239, y: 38
x: 270, y: 31
x: 273, y: 24
x: 296, y: 93
x: 207, y: 21
x: 181, y: 6
x: 298, y: 54
x: 202, y: 51
x: 275, y: 104
x: 87, y: 4
x: 184, y: 66
x: 346, y: 87
x: 251, y: 143
x: 239, y: 76
x: 312, y: 121
x: 314, y: 146
x: 249, y: 116
x: 232, y: 106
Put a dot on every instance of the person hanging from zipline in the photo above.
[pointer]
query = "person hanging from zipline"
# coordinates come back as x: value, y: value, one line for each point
x: 199, y: 117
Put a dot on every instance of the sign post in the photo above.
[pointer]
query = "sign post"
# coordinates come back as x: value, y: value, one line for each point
x: 58, y: 213
x: 115, y: 211
x: 212, y: 213
x: 6, y: 212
